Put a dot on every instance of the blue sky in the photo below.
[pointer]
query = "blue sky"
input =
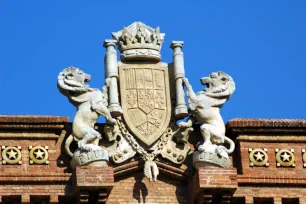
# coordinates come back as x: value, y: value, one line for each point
x: 261, y: 44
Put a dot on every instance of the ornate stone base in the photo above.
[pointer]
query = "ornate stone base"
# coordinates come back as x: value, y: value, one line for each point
x: 204, y: 159
x: 96, y: 157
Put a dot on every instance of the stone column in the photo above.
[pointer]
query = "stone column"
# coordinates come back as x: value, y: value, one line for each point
x: 111, y: 72
x: 181, y: 110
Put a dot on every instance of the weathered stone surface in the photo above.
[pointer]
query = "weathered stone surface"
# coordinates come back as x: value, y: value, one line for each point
x: 181, y: 110
x: 82, y: 157
x: 90, y: 104
x: 145, y: 98
x: 111, y: 74
x: 205, y: 109
x: 139, y: 41
x: 202, y: 159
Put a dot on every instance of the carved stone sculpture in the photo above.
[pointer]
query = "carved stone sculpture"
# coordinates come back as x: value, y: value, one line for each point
x: 147, y: 125
x: 181, y: 110
x: 205, y: 108
x: 139, y: 41
x: 90, y: 103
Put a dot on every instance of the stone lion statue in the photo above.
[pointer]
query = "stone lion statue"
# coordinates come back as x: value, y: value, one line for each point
x: 90, y: 103
x: 205, y: 109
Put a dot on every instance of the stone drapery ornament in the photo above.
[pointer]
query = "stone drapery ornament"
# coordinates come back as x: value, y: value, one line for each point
x: 90, y: 103
x: 205, y: 109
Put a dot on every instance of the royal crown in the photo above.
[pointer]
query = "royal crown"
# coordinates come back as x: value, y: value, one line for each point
x: 139, y: 41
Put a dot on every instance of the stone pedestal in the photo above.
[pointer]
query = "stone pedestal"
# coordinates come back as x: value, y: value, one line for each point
x: 96, y: 157
x: 210, y: 159
x: 213, y: 185
x: 93, y: 184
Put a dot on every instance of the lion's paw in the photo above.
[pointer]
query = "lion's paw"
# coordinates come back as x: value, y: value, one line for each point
x: 201, y: 148
x: 84, y: 147
x: 112, y: 121
x: 221, y: 151
x: 186, y: 81
x: 183, y: 125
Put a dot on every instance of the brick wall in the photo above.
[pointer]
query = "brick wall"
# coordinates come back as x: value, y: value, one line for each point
x: 135, y: 188
x: 271, y: 183
x: 52, y: 182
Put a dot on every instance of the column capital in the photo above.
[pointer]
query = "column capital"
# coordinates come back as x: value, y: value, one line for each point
x: 109, y: 42
x: 175, y: 44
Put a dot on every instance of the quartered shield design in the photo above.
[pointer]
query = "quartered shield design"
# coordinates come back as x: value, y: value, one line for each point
x: 145, y: 99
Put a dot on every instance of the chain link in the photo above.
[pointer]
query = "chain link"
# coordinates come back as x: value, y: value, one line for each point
x: 143, y: 153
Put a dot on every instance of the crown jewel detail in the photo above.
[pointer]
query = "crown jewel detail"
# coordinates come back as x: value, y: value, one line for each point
x: 139, y: 41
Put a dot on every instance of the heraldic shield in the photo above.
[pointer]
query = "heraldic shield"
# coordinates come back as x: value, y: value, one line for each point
x: 145, y: 99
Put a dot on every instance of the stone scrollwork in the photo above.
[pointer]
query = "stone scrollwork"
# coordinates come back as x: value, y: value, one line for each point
x: 90, y: 104
x: 205, y: 109
x: 11, y: 155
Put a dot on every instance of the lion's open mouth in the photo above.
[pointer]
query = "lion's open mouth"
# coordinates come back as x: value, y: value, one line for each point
x: 87, y: 78
x: 206, y: 81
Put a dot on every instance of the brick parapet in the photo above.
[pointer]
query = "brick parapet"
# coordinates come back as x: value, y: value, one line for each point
x: 267, y: 123
x: 54, y: 179
x: 270, y: 183
x: 27, y: 122
x: 254, y: 126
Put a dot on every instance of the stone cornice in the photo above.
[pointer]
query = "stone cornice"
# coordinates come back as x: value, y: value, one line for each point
x: 32, y: 122
x: 260, y: 126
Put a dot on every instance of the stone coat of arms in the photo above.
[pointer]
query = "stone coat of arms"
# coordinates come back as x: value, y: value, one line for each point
x: 145, y: 99
x: 142, y: 109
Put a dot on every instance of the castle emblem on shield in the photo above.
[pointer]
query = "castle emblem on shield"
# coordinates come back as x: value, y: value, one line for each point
x: 145, y: 99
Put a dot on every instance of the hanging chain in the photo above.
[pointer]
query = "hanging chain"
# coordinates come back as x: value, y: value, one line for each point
x: 143, y: 153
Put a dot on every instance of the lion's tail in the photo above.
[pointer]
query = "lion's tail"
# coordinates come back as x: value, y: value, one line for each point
x: 231, y: 143
x: 67, y: 145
